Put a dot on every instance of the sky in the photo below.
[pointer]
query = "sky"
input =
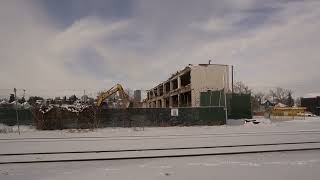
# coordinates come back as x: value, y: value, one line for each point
x: 55, y: 48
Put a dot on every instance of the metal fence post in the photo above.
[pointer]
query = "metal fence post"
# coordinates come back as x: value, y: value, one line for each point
x: 15, y: 98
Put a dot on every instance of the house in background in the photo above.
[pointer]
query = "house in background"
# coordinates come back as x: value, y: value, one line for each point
x: 263, y: 106
x: 267, y: 104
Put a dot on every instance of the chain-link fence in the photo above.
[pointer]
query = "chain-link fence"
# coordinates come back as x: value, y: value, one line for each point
x: 211, y: 112
x: 59, y: 118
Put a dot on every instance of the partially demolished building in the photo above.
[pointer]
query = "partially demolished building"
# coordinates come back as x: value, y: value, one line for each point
x: 183, y: 88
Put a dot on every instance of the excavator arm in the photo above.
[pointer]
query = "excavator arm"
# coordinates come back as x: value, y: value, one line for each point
x: 117, y: 88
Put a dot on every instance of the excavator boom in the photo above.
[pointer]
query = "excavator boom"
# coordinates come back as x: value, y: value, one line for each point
x: 117, y: 88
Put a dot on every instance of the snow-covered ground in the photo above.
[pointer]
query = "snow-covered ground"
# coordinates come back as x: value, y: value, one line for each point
x: 287, y: 165
x: 290, y: 165
x: 265, y: 125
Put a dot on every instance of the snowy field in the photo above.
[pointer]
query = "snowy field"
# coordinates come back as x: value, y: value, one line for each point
x: 265, y: 125
x: 275, y: 165
x: 290, y: 166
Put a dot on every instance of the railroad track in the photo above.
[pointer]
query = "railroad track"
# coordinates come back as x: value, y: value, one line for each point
x: 137, y: 137
x: 46, y: 157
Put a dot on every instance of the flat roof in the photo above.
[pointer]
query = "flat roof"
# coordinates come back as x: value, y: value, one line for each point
x: 186, y: 69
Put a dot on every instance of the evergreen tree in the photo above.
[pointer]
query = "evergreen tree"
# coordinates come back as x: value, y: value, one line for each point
x: 290, y: 100
x: 22, y: 100
x: 64, y: 99
x: 33, y: 99
x: 11, y: 99
x: 72, y: 99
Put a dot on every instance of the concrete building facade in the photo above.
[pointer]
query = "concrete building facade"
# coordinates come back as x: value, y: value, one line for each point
x: 183, y: 88
x: 137, y: 95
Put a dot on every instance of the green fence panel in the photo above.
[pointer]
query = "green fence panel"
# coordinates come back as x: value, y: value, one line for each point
x: 8, y: 116
x: 212, y: 98
x: 239, y: 106
x: 212, y: 116
x: 160, y: 117
x: 130, y: 117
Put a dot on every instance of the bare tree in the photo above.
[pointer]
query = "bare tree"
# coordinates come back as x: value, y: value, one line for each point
x: 298, y: 101
x: 259, y: 96
x: 241, y: 88
x: 281, y: 95
x: 257, y: 99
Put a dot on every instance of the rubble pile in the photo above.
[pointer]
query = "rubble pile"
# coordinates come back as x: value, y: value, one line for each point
x: 75, y: 116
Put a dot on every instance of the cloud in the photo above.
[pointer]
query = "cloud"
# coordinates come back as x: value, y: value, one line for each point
x: 28, y: 59
x: 270, y: 44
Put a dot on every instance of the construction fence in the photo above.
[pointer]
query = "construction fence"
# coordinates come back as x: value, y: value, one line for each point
x: 212, y: 111
x: 141, y: 117
x: 58, y: 118
x: 238, y: 105
x: 8, y: 116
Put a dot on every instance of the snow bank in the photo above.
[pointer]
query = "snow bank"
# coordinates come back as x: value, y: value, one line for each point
x: 235, y: 122
x: 305, y: 120
x: 14, y: 129
x: 256, y: 121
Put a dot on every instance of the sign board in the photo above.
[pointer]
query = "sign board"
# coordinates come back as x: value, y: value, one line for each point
x: 175, y: 112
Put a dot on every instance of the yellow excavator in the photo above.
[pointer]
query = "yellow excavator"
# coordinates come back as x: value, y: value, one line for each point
x: 117, y: 88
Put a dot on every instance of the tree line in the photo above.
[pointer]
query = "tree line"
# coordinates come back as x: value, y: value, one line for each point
x: 33, y: 99
x: 276, y: 95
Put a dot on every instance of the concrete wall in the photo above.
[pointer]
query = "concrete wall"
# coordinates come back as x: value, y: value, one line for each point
x: 208, y: 77
x: 203, y: 78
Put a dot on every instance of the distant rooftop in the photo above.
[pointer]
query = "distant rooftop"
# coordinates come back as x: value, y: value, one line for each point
x: 311, y: 95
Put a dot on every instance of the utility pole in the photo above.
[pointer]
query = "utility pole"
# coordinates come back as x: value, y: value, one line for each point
x: 24, y: 93
x: 232, y: 79
x: 225, y: 98
x: 15, y: 98
x: 84, y: 97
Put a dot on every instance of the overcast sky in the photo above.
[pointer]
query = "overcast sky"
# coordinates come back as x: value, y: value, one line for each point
x: 54, y: 47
